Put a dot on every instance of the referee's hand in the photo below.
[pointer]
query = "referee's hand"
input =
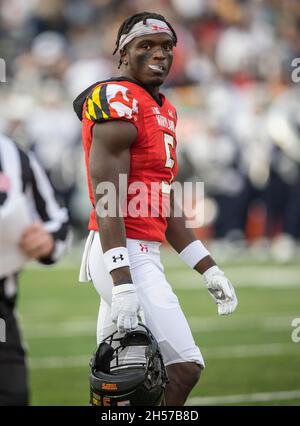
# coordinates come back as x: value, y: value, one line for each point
x: 36, y: 242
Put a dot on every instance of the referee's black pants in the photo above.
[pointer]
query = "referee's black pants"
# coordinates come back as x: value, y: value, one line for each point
x: 13, y: 371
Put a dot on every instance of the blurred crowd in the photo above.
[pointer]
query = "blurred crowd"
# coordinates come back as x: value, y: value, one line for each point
x: 232, y: 82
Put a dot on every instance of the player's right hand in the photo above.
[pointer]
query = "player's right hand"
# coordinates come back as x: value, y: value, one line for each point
x: 125, y: 307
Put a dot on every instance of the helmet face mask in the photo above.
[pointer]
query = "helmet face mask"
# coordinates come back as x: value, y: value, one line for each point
x: 119, y: 381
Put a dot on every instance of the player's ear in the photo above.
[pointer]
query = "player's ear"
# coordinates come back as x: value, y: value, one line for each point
x: 124, y: 56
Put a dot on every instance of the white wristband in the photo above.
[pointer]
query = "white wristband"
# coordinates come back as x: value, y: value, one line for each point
x: 193, y: 253
x: 116, y: 257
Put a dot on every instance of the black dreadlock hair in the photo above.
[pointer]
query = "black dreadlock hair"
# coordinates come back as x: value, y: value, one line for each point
x: 134, y: 19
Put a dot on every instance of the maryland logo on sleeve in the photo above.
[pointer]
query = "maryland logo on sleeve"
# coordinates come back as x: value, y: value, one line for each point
x: 111, y: 101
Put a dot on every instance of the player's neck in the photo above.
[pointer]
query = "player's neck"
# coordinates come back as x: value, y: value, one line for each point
x: 153, y: 90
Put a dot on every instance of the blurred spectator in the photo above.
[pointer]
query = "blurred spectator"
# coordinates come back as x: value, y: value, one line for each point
x: 231, y: 76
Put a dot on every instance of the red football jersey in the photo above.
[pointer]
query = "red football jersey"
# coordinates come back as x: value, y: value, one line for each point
x: 153, y: 163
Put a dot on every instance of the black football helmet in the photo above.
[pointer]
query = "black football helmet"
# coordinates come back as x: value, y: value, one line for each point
x: 127, y: 383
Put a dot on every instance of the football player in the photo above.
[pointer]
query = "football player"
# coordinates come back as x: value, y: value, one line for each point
x: 128, y: 128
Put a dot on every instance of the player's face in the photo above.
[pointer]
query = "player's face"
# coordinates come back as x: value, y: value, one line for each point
x: 149, y: 58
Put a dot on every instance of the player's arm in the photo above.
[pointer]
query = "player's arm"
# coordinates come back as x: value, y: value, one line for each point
x: 180, y: 237
x: 193, y: 252
x: 110, y: 157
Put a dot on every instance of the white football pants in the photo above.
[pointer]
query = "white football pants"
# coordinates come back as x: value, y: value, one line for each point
x: 161, y: 308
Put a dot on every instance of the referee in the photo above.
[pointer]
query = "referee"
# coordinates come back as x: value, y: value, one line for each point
x: 45, y: 240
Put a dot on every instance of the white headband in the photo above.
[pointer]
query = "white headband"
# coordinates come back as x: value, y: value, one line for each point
x: 152, y: 26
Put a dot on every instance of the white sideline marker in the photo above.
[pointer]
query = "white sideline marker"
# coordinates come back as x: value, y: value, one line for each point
x: 221, y: 352
x: 251, y: 397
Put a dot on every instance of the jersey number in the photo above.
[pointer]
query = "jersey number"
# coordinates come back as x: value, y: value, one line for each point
x: 169, y: 141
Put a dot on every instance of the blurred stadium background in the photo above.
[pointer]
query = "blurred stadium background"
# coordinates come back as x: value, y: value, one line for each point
x: 239, y: 132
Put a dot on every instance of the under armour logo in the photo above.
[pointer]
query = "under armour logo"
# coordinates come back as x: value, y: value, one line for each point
x: 157, y: 28
x: 144, y: 248
x: 115, y: 258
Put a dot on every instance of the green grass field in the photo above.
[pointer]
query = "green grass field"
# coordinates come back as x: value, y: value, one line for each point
x: 250, y: 357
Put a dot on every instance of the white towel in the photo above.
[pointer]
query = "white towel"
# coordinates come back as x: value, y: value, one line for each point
x: 84, y: 274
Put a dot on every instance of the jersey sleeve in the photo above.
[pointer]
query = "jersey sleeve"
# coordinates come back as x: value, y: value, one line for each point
x: 111, y: 102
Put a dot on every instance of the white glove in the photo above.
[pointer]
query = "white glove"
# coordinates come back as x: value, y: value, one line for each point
x: 221, y: 290
x: 125, y: 307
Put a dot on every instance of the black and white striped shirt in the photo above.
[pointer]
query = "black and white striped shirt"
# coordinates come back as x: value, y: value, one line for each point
x: 21, y: 173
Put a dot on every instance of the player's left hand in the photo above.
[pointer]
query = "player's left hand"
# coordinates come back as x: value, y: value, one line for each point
x: 221, y: 290
x: 36, y: 242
